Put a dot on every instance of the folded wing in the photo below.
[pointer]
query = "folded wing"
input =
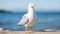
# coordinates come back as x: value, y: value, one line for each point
x: 24, y: 20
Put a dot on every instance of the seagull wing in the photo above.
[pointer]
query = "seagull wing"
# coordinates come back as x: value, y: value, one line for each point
x: 24, y: 20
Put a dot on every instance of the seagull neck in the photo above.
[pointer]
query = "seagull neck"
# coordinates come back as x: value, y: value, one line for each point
x: 30, y: 10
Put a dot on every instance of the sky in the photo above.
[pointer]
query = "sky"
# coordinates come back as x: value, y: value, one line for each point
x: 22, y: 4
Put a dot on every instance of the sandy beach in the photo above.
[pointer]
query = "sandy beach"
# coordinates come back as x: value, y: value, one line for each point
x: 23, y: 32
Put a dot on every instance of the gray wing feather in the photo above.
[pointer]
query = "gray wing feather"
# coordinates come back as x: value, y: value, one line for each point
x: 24, y: 20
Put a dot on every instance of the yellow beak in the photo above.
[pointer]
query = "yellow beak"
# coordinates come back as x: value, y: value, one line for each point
x: 34, y: 4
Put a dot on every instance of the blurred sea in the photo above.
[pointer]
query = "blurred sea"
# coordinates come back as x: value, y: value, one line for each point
x: 46, y: 20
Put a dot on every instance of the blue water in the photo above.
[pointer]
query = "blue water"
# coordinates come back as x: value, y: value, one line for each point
x: 45, y: 21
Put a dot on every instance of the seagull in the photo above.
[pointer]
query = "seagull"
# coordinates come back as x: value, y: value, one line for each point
x: 29, y: 19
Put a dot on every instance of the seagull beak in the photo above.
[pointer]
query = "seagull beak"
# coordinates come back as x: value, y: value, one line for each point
x: 34, y: 4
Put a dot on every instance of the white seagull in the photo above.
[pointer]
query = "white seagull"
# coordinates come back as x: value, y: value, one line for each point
x: 29, y: 18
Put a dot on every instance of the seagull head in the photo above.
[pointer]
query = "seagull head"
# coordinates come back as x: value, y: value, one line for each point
x: 31, y: 5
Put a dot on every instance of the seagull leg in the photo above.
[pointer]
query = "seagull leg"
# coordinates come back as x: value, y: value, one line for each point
x: 26, y: 29
x: 31, y: 30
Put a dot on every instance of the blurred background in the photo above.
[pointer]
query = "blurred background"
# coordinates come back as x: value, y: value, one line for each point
x: 47, y: 12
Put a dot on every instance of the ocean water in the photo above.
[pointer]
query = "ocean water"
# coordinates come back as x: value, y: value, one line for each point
x: 46, y: 20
